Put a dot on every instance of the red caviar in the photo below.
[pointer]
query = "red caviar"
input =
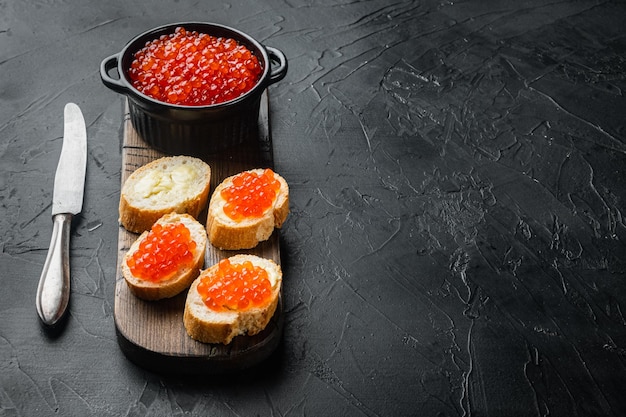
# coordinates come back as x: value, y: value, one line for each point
x: 194, y: 69
x: 250, y: 194
x: 235, y: 287
x: 165, y: 249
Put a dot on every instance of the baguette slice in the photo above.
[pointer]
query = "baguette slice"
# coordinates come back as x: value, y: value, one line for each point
x: 174, y: 184
x: 208, y: 326
x: 226, y: 233
x: 180, y: 279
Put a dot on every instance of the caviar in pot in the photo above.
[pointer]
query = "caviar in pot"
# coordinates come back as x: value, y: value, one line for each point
x: 194, y: 69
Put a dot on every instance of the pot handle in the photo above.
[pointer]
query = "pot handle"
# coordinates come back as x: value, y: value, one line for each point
x: 279, y: 72
x: 106, y: 66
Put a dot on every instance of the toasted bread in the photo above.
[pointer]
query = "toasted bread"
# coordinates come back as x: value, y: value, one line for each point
x: 177, y: 281
x: 226, y: 233
x: 209, y: 326
x: 174, y: 184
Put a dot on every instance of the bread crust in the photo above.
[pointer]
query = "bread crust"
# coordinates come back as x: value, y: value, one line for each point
x: 225, y: 233
x: 208, y: 326
x: 181, y: 279
x: 138, y: 213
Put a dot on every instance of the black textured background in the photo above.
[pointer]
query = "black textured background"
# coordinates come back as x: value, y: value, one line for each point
x: 456, y: 240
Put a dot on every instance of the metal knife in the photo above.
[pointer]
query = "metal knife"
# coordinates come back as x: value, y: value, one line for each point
x: 53, y: 292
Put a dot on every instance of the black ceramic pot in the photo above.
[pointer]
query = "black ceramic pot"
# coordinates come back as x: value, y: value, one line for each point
x: 194, y: 130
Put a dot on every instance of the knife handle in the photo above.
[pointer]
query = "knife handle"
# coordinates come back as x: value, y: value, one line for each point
x: 53, y: 291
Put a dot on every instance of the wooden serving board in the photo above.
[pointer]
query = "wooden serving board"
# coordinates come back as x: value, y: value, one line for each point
x: 151, y: 333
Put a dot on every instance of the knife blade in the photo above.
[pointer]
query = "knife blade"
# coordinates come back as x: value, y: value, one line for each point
x: 53, y: 291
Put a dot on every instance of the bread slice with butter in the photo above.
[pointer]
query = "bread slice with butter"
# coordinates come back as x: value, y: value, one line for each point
x: 173, y: 184
x: 170, y: 270
x: 245, y: 233
x: 226, y: 319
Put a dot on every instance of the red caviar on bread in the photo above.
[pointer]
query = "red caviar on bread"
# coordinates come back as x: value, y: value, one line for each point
x: 246, y: 208
x: 165, y: 260
x: 237, y: 296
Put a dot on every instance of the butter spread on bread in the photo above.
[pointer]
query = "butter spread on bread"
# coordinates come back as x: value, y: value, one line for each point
x: 175, y: 184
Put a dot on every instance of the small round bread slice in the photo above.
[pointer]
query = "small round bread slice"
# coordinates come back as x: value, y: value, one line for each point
x: 180, y: 279
x: 208, y: 326
x: 226, y: 233
x: 173, y: 184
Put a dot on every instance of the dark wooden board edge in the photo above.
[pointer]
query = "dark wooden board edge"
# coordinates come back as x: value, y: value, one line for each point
x: 220, y: 360
x: 151, y: 334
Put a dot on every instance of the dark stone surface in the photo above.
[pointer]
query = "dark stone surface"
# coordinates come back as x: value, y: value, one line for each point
x: 456, y: 241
